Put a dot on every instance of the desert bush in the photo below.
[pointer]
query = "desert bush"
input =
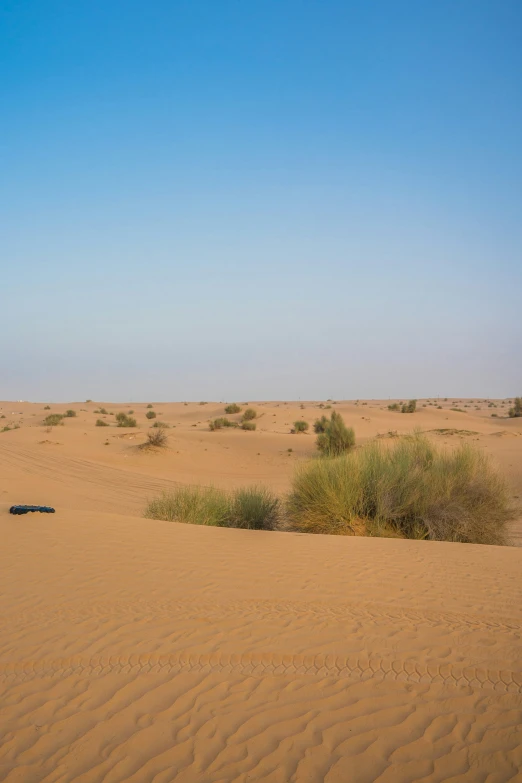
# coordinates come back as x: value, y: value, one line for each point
x: 249, y: 414
x: 149, y: 405
x: 125, y: 421
x: 161, y: 425
x: 409, y: 407
x: 53, y: 419
x: 253, y: 508
x: 516, y: 411
x: 233, y: 408
x: 248, y: 425
x: 47, y: 408
x: 218, y: 424
x: 321, y: 424
x: 101, y: 423
x: 156, y: 438
x: 410, y: 489
x: 458, y: 410
x: 69, y: 414
x: 337, y: 438
x: 393, y: 407
x: 150, y: 415
x: 192, y: 505
x: 301, y: 426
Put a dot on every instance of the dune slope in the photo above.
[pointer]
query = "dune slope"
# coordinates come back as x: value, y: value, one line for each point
x: 135, y: 650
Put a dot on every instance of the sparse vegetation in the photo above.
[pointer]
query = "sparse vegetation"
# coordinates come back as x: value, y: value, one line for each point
x: 149, y: 405
x: 125, y: 421
x: 336, y: 438
x: 409, y: 407
x: 161, y: 425
x: 69, y: 414
x: 47, y: 408
x: 248, y: 425
x: 156, y: 438
x: 458, y: 410
x: 410, y: 489
x: 516, y: 411
x: 321, y: 424
x: 249, y: 414
x: 221, y: 422
x: 394, y: 406
x: 53, y: 419
x: 101, y: 423
x: 233, y: 408
x: 150, y: 415
x: 254, y: 508
x: 102, y: 411
x: 301, y: 426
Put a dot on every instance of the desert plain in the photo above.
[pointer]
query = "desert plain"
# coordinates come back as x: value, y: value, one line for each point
x: 148, y: 651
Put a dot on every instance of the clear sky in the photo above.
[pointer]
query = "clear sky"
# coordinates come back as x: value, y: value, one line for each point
x: 260, y: 199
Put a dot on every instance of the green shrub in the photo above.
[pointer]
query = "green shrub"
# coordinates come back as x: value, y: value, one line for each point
x: 253, y: 508
x: 70, y: 414
x: 162, y: 425
x: 102, y: 410
x: 125, y: 421
x: 409, y: 407
x: 233, y: 408
x: 218, y: 424
x: 321, y: 424
x: 53, y: 419
x: 150, y: 415
x: 149, y: 405
x: 248, y: 425
x: 301, y: 426
x: 410, y: 489
x: 192, y: 505
x: 516, y: 411
x: 47, y: 408
x: 337, y: 438
x: 249, y: 414
x: 393, y: 407
x: 101, y: 423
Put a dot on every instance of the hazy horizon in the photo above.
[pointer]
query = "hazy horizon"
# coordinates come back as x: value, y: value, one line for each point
x: 283, y: 200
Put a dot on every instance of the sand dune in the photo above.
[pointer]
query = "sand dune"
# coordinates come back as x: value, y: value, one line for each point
x: 137, y: 650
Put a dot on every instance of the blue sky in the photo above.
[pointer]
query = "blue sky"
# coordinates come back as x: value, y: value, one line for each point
x: 217, y: 199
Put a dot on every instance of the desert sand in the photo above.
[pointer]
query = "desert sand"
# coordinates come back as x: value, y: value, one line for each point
x: 139, y: 650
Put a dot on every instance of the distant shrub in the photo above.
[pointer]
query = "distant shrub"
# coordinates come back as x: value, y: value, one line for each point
x: 301, y: 426
x: 53, y: 419
x: 393, y: 407
x: 516, y: 411
x: 221, y: 422
x: 101, y: 423
x: 130, y: 412
x: 410, y: 489
x: 409, y: 407
x: 47, y: 408
x: 249, y: 414
x: 248, y: 425
x: 494, y: 415
x: 150, y: 415
x: 233, y: 408
x: 69, y: 414
x: 321, y: 424
x: 337, y: 438
x: 101, y: 410
x: 252, y: 508
x: 439, y: 407
x: 156, y: 438
x: 161, y: 425
x: 149, y: 405
x: 125, y: 421
x: 457, y: 410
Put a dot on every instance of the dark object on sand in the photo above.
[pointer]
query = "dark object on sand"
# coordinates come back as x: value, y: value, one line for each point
x: 27, y: 509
